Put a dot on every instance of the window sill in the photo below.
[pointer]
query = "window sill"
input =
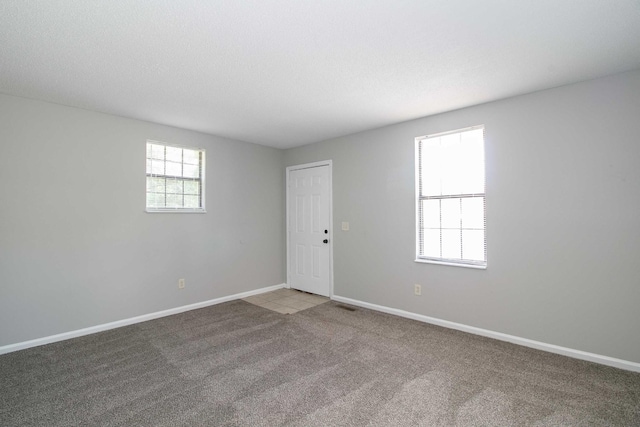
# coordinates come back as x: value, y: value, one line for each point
x: 451, y: 264
x: 197, y: 211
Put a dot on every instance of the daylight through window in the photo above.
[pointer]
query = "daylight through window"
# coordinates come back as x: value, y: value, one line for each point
x: 175, y: 178
x: 450, y: 189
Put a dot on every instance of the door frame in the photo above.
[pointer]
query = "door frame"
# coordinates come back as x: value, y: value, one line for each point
x: 290, y: 169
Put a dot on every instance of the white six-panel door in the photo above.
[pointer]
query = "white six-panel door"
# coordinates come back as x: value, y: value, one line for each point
x: 309, y: 235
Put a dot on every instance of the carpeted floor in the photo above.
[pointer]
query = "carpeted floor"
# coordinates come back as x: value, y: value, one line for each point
x: 236, y: 364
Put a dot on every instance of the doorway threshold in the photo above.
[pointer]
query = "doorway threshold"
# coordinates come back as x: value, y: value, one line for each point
x: 286, y: 301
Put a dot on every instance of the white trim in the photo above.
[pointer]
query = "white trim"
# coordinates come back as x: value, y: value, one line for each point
x: 171, y: 144
x: 175, y: 210
x: 132, y: 320
x: 289, y: 169
x: 416, y: 199
x: 449, y: 132
x: 551, y: 348
x: 309, y: 165
x: 452, y: 264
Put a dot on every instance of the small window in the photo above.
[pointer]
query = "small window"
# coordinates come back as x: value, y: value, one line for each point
x: 450, y: 193
x: 175, y: 178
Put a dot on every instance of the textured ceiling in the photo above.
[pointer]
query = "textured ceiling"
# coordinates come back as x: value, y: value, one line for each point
x: 287, y: 73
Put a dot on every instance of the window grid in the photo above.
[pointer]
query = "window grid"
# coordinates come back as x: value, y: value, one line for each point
x: 470, y: 252
x: 174, y: 182
x: 461, y: 226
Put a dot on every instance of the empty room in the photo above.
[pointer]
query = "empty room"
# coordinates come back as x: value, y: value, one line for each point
x: 319, y: 213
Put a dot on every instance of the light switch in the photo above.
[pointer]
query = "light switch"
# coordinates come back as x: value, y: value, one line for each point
x: 345, y: 226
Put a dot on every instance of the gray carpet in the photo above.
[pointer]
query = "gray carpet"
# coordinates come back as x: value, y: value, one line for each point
x: 236, y: 364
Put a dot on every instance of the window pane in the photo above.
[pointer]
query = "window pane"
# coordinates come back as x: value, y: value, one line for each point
x: 174, y: 186
x: 431, y: 213
x: 453, y: 164
x: 155, y: 200
x: 157, y: 167
x: 449, y: 141
x: 450, y: 213
x: 191, y: 171
x: 191, y: 157
x: 431, y: 167
x: 473, y: 212
x: 174, y: 169
x: 431, y: 243
x: 155, y: 184
x: 174, y: 200
x: 431, y: 182
x: 191, y: 187
x: 451, y: 246
x: 191, y: 201
x: 452, y: 169
x: 473, y: 245
x: 157, y: 151
x: 472, y: 142
x: 472, y: 159
x: 472, y: 180
x: 174, y: 154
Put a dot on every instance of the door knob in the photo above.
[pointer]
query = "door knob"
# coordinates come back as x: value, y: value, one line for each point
x: 325, y: 241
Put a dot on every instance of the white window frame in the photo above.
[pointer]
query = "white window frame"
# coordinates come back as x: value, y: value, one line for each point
x: 202, y: 180
x: 439, y: 260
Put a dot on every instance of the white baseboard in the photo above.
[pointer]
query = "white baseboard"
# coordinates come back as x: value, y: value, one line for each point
x: 576, y: 354
x: 125, y: 322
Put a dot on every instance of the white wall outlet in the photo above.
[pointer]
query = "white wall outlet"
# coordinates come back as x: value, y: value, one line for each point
x: 180, y: 283
x: 417, y: 289
x: 345, y: 226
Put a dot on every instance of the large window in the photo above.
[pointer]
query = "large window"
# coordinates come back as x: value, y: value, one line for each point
x: 175, y: 178
x: 450, y: 197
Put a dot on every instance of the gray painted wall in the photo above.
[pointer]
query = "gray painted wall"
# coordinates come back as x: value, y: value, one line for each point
x: 563, y: 209
x: 563, y: 196
x: 77, y: 248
